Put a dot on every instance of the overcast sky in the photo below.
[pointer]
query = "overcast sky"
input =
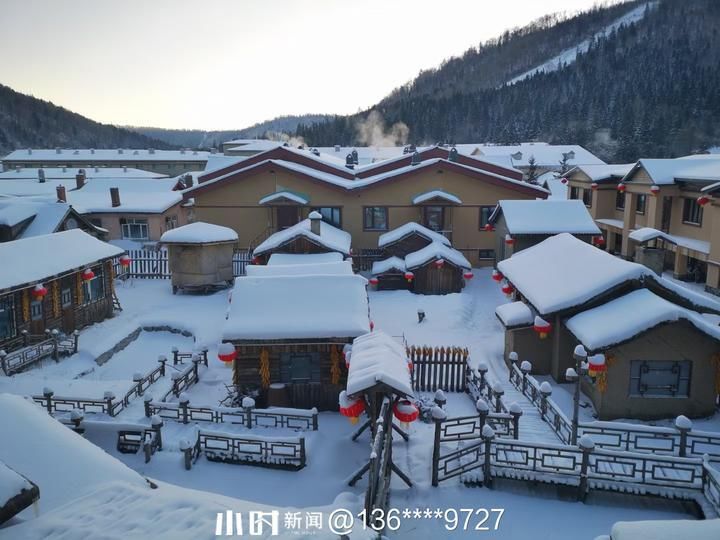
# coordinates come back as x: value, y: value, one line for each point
x: 226, y: 64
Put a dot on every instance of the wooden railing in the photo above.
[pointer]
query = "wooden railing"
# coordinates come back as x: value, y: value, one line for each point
x: 182, y: 380
x: 363, y: 260
x: 36, y: 347
x: 478, y: 386
x: 436, y: 368
x: 377, y: 494
x: 283, y: 453
x: 153, y: 264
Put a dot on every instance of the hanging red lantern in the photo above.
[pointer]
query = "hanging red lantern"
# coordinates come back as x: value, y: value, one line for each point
x: 542, y: 327
x: 489, y: 227
x: 405, y: 411
x: 594, y: 186
x: 410, y: 366
x: 702, y: 200
x: 226, y: 352
x: 409, y: 276
x: 468, y: 275
x: 509, y: 240
x: 88, y: 274
x: 596, y: 364
x: 599, y: 241
x: 39, y: 291
x: 372, y: 326
x: 621, y: 188
x: 125, y: 260
x: 507, y: 289
x: 374, y: 281
x: 255, y: 260
x: 439, y: 263
x: 351, y: 408
x: 497, y: 276
x: 655, y: 190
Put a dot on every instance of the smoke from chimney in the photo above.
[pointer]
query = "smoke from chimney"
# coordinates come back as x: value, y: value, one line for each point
x: 372, y: 131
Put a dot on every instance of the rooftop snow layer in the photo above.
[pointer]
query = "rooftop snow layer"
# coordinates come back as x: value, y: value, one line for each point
x: 303, y: 258
x: 28, y: 261
x: 599, y: 172
x: 546, y: 155
x: 646, y: 234
x: 47, y: 215
x: 335, y: 268
x: 547, y: 217
x: 630, y: 315
x: 514, y: 314
x: 11, y: 484
x: 391, y: 263
x: 69, y: 173
x: 199, y: 233
x: 378, y: 358
x: 409, y: 228
x: 436, y: 194
x: 435, y: 250
x: 562, y: 271
x: 289, y: 195
x: 143, y: 202
x: 668, y: 171
x: 298, y: 307
x: 87, y: 155
x: 330, y: 237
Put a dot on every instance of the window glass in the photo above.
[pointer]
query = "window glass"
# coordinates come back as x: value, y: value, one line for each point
x: 434, y: 217
x: 620, y: 200
x: 486, y: 254
x: 94, y: 289
x: 331, y: 215
x: 134, y: 229
x: 692, y: 212
x: 574, y: 192
x: 7, y: 317
x: 376, y: 218
x: 66, y: 297
x: 660, y: 378
x: 485, y: 212
x: 587, y: 197
x: 36, y: 310
x: 640, y: 204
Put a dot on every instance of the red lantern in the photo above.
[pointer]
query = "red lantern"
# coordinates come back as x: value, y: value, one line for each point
x: 621, y: 188
x: 410, y: 366
x: 351, y: 408
x: 405, y: 411
x: 497, y: 276
x: 542, y: 327
x: 655, y: 190
x: 594, y: 186
x: 489, y: 227
x: 125, y: 260
x: 439, y: 263
x: 702, y: 200
x: 507, y: 289
x: 255, y: 260
x: 227, y: 352
x: 596, y: 364
x: 374, y: 281
x: 372, y: 326
x: 88, y: 274
x: 564, y: 180
x: 509, y: 240
x: 468, y: 275
x: 39, y: 291
x: 409, y: 276
x: 599, y: 241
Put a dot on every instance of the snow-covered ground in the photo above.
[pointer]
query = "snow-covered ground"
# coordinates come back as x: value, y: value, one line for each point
x: 466, y: 319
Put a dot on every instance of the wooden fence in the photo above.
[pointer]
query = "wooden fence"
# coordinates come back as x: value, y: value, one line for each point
x: 436, y: 368
x: 282, y: 453
x: 153, y: 263
x: 35, y: 348
x: 377, y: 495
x: 182, y: 380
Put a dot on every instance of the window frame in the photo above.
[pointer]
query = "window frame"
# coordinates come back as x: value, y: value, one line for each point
x: 690, y: 206
x: 620, y: 196
x: 374, y: 227
x: 7, y: 305
x: 489, y: 254
x: 683, y: 378
x: 574, y: 193
x: 320, y: 209
x: 37, y: 312
x: 641, y: 197
x: 97, y: 282
x: 587, y: 194
x: 482, y: 222
x: 434, y: 207
x: 134, y: 222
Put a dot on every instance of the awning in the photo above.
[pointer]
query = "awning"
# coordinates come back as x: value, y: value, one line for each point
x: 436, y: 194
x: 284, y: 196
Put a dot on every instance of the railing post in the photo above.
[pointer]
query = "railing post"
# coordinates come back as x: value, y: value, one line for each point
x: 196, y: 360
x: 482, y: 370
x: 248, y: 404
x: 498, y: 392
x: 108, y: 397
x: 138, y: 380
x: 48, y: 394
x: 76, y: 417
x: 488, y: 434
x: 516, y: 413
x: 302, y: 452
x: 314, y: 419
x: 683, y: 424
x: 440, y: 399
x: 175, y: 376
x: 483, y: 410
x: 439, y: 416
x: 147, y: 402
x: 157, y: 424
x: 525, y: 368
x: 184, y: 402
x: 586, y: 445
x: 187, y: 449
x: 54, y: 336
x: 24, y: 334
x: 513, y: 358
x: 204, y: 353
x: 162, y: 359
x: 3, y: 363
x: 76, y: 335
x: 545, y: 393
x: 175, y: 353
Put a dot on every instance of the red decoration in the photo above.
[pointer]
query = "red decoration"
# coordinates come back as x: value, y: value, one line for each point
x: 594, y: 186
x: 227, y: 352
x: 497, y: 276
x: 439, y: 263
x: 599, y: 240
x: 489, y: 227
x: 702, y: 200
x: 509, y: 240
x: 405, y: 411
x: 655, y: 190
x: 39, y: 291
x: 374, y: 281
x: 255, y: 260
x: 352, y: 409
x: 468, y: 275
x: 621, y: 188
x: 88, y: 274
x: 596, y: 364
x: 409, y: 276
x: 410, y: 366
x: 125, y: 260
x: 507, y: 288
x: 372, y: 326
x: 542, y: 327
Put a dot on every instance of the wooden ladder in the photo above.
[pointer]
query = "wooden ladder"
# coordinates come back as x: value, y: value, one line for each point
x: 116, y: 302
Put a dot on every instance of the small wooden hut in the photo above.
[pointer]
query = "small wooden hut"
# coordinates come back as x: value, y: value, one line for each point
x: 437, y: 269
x: 58, y: 281
x: 200, y: 256
x: 389, y: 274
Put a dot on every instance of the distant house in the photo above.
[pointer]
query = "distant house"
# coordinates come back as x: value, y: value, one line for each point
x: 437, y: 269
x: 521, y: 224
x: 24, y: 218
x: 662, y: 351
x: 58, y: 281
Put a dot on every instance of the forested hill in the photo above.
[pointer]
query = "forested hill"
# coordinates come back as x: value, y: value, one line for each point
x: 647, y: 88
x: 28, y: 122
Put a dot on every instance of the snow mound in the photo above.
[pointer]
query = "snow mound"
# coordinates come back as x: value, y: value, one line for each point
x: 330, y: 237
x: 303, y: 258
x: 410, y: 228
x: 199, y: 233
x: 666, y: 530
x: 436, y: 250
x: 378, y: 358
x: 514, y: 314
x: 338, y: 268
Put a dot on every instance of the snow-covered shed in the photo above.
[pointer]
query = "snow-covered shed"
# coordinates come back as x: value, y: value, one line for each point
x: 200, y: 255
x: 311, y: 235
x: 389, y: 274
x: 290, y: 330
x: 520, y: 224
x: 437, y: 269
x: 16, y: 493
x: 408, y: 238
x: 54, y: 281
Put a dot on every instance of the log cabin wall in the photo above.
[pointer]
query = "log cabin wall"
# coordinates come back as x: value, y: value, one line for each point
x: 432, y: 280
x: 408, y: 244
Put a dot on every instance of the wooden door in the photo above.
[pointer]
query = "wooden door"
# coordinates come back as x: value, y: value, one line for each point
x: 287, y: 216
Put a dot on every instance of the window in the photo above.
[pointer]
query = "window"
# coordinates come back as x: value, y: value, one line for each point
x: 485, y: 213
x: 36, y: 310
x: 170, y: 222
x: 7, y: 317
x: 94, y: 289
x: 620, y: 200
x: 300, y: 367
x: 434, y: 217
x: 660, y: 378
x: 574, y: 192
x: 587, y: 197
x: 134, y: 229
x: 486, y: 254
x: 375, y: 218
x: 692, y: 212
x: 640, y: 204
x: 331, y: 215
x: 66, y: 297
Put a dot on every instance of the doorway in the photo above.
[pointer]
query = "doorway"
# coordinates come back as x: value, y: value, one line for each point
x: 287, y: 216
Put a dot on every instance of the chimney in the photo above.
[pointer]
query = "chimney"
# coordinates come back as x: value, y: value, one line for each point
x: 415, y: 160
x: 349, y: 162
x: 188, y: 180
x: 80, y: 179
x: 115, y: 196
x: 41, y: 176
x: 61, y: 197
x: 355, y: 157
x: 315, y: 219
x: 453, y: 154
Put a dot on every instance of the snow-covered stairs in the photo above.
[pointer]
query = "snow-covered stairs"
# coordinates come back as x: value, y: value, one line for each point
x: 532, y: 427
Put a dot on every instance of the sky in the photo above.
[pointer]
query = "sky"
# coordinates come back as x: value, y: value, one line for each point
x: 227, y: 64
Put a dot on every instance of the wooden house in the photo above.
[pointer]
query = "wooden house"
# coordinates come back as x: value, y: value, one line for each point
x: 408, y: 238
x: 57, y: 281
x: 289, y: 332
x: 437, y: 269
x: 389, y: 274
x: 652, y: 332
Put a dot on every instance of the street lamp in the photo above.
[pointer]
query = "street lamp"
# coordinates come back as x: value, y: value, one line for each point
x: 573, y: 375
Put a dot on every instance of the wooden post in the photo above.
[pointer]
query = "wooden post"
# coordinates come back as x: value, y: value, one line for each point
x: 108, y: 397
x: 488, y: 434
x: 157, y: 424
x: 513, y: 358
x: 683, y: 424
x: 76, y: 334
x: 48, y: 394
x: 187, y: 449
x: 516, y: 413
x: 483, y: 410
x: 147, y: 402
x: 314, y: 419
x: 184, y: 402
x: 54, y: 336
x: 436, y: 447
x: 586, y: 445
x: 482, y: 370
x: 162, y: 359
x: 3, y: 363
x: 25, y: 338
x: 175, y: 353
x: 302, y: 452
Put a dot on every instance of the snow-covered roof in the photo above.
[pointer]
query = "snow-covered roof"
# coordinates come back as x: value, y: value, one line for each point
x: 600, y: 172
x: 199, y: 233
x: 133, y: 202
x: 561, y: 272
x: 31, y: 260
x: 547, y: 217
x: 31, y: 188
x: 252, y: 146
x: 386, y: 265
x: 69, y: 173
x: 618, y: 223
x: 436, y: 194
x: 378, y: 358
x: 14, y: 214
x: 11, y: 484
x: 298, y: 307
x: 303, y: 258
x: 514, y: 314
x: 646, y: 234
x: 330, y: 237
x: 707, y: 529
x: 366, y: 154
x: 436, y: 250
x: 46, y: 215
x: 402, y: 231
x: 669, y: 171
x: 287, y: 195
x: 88, y: 155
x: 219, y: 161
x: 546, y: 155
x: 335, y: 268
x: 626, y: 317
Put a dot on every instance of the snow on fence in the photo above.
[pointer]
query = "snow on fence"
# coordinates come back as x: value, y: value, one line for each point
x: 182, y: 380
x: 36, y: 347
x: 283, y: 453
x: 436, y: 368
x: 153, y: 263
x: 618, y: 435
x: 478, y: 386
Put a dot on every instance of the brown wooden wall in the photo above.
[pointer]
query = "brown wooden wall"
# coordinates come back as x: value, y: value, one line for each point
x: 408, y: 244
x: 444, y: 280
